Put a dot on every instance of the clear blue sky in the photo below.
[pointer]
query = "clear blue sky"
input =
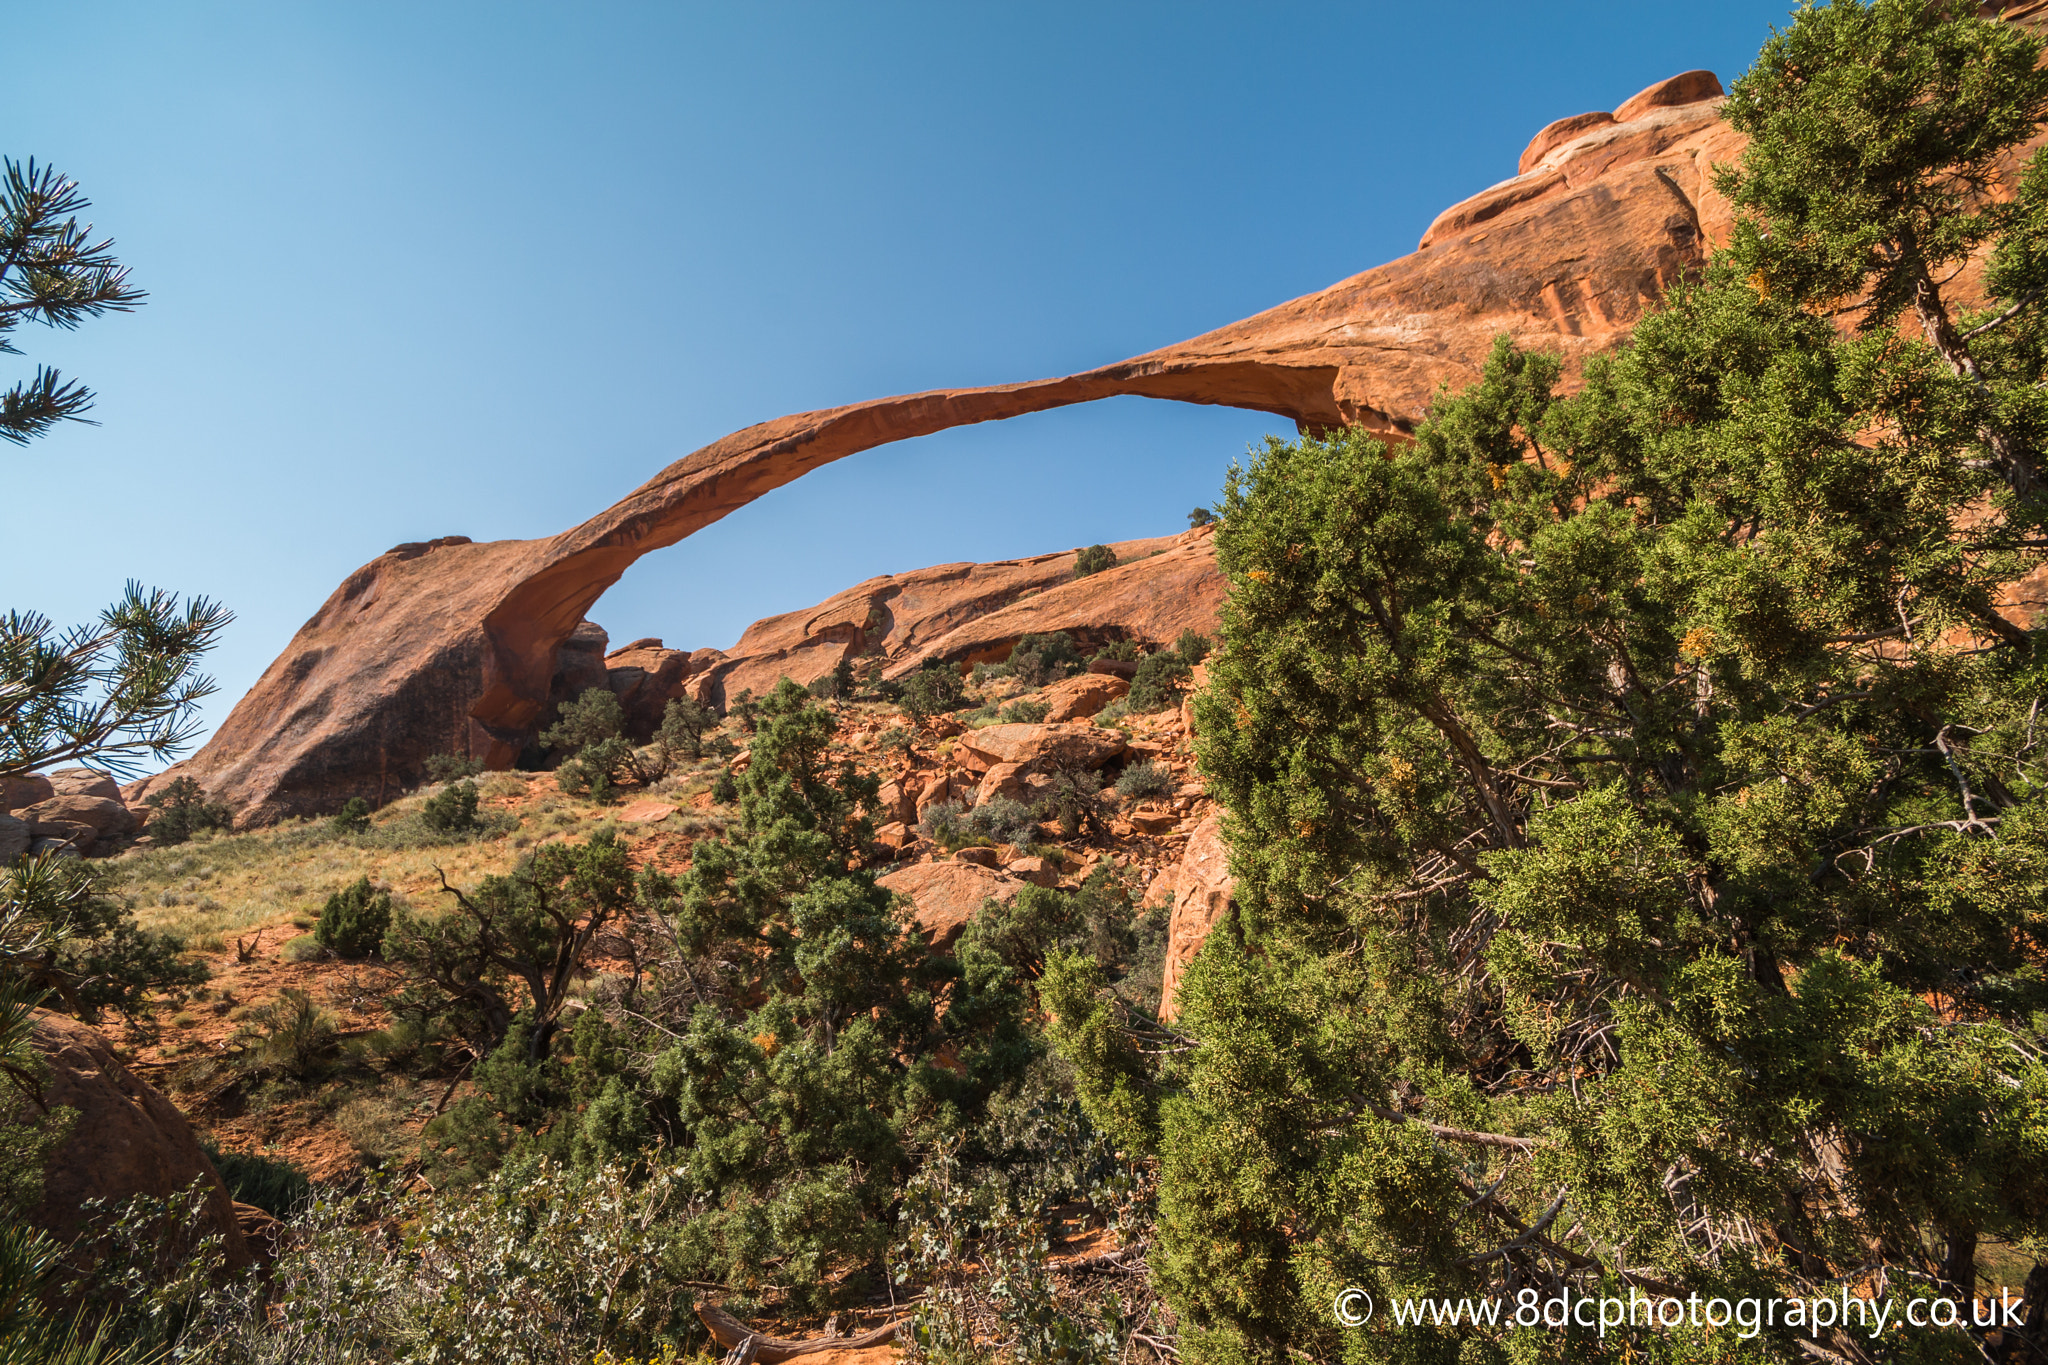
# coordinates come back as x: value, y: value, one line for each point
x: 466, y: 268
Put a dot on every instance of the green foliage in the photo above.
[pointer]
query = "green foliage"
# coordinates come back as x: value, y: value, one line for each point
x: 353, y: 922
x: 352, y: 818
x: 1039, y: 659
x: 1074, y: 798
x: 290, y: 1037
x: 1635, y: 799
x: 268, y: 1183
x: 540, y: 1264
x: 452, y: 810
x: 1120, y: 651
x: 725, y: 790
x: 1145, y: 779
x: 31, y: 1274
x: 1158, y: 683
x: 598, y: 769
x: 1201, y: 516
x: 805, y: 1072
x: 182, y: 811
x: 1093, y: 560
x: 62, y: 932
x: 933, y: 690
x: 1193, y: 646
x: 52, y: 272
x: 1025, y: 711
x: 121, y: 690
x: 684, y: 722
x: 592, y: 718
x: 527, y: 933
x: 445, y: 768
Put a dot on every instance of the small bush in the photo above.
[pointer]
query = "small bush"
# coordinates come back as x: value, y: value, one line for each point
x: 452, y: 811
x: 1025, y: 712
x: 933, y: 690
x: 944, y: 824
x: 1119, y: 651
x: 182, y: 811
x: 290, y: 1036
x: 986, y: 673
x: 591, y: 718
x: 725, y: 790
x: 1109, y: 715
x: 353, y: 922
x: 304, y: 948
x: 353, y: 818
x: 1158, y: 683
x: 895, y: 737
x: 1094, y: 560
x: 1040, y: 659
x: 1193, y: 646
x: 442, y: 768
x: 1201, y: 516
x: 1145, y: 779
x: 683, y: 724
x: 599, y: 768
x: 1001, y: 820
x: 1074, y: 799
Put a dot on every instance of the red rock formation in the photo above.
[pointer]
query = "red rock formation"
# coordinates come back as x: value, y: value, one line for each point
x: 127, y: 1139
x: 1201, y: 887
x: 965, y: 613
x: 448, y: 645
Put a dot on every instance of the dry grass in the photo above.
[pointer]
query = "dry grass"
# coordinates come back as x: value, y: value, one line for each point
x: 213, y: 888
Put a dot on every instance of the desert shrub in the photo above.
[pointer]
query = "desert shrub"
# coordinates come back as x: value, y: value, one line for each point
x: 1093, y: 560
x: 933, y: 690
x: 452, y: 810
x: 590, y: 719
x: 726, y: 789
x: 77, y: 941
x: 944, y: 823
x: 353, y: 921
x: 987, y: 673
x: 442, y: 768
x: 517, y: 941
x: 1038, y: 659
x: 1002, y: 820
x: 1119, y: 651
x: 270, y: 1183
x: 352, y: 818
x: 599, y: 768
x: 895, y: 737
x: 1193, y: 646
x: 1200, y: 516
x: 1145, y: 779
x: 1095, y: 918
x: 1025, y: 711
x: 290, y: 1036
x: 1074, y: 799
x: 1117, y: 710
x: 541, y: 1264
x: 1158, y: 683
x: 742, y: 709
x: 681, y: 735
x: 182, y: 811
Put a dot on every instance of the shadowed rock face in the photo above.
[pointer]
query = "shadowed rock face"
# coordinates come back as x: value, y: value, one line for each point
x: 451, y: 645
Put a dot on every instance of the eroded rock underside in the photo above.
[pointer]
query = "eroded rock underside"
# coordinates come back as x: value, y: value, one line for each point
x: 455, y: 646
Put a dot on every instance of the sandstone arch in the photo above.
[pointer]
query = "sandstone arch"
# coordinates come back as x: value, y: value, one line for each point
x: 450, y: 645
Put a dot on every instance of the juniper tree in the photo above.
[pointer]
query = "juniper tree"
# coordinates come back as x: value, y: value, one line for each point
x: 1636, y: 798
